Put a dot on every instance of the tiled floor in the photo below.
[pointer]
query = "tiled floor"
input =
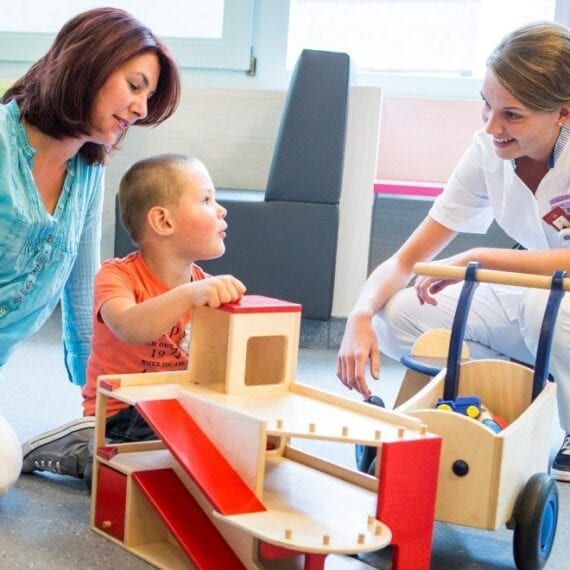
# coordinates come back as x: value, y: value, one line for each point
x: 44, y: 520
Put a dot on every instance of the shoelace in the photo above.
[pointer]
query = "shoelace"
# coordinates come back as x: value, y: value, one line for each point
x: 48, y: 466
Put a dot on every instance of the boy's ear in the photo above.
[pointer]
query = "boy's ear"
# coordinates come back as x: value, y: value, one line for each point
x: 160, y: 221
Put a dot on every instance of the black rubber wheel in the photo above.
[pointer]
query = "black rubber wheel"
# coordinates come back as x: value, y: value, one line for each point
x: 536, y: 515
x: 366, y: 454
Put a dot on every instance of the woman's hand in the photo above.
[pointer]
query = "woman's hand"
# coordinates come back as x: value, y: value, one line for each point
x: 427, y: 286
x: 359, y: 345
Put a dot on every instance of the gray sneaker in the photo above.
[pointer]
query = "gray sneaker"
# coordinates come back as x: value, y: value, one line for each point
x: 62, y: 450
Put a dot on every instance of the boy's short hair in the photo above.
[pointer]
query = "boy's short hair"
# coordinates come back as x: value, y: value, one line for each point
x: 150, y: 182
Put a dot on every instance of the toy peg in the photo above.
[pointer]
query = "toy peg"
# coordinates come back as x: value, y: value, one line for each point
x: 288, y: 534
x: 401, y: 432
x: 377, y: 435
x: 361, y: 538
x: 279, y: 424
x: 326, y: 539
x: 345, y: 431
x: 312, y: 427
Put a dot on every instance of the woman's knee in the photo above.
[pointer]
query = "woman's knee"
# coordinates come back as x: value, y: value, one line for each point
x: 10, y: 457
x: 531, y: 319
x: 395, y: 326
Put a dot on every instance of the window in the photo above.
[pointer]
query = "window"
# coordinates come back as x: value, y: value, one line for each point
x: 420, y: 39
x: 213, y: 34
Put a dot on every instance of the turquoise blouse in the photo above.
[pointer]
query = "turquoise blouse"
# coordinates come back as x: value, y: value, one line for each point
x: 46, y: 258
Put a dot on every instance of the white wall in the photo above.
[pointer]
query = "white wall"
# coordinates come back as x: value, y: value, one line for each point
x: 423, y: 139
x: 357, y: 197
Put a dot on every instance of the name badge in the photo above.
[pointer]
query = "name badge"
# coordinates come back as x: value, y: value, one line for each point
x: 557, y: 218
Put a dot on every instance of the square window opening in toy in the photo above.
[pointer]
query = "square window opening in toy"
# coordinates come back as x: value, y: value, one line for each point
x: 265, y: 360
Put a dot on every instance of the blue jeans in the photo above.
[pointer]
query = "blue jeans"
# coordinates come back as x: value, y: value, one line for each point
x: 126, y: 426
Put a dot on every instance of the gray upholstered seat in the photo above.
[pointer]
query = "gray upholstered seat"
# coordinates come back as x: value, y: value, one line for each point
x: 282, y: 243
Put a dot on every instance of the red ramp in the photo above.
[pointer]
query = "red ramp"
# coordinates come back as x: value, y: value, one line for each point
x: 193, y: 530
x: 199, y: 457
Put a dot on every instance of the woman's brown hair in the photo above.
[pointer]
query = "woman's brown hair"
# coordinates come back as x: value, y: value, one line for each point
x: 57, y: 93
x: 533, y: 65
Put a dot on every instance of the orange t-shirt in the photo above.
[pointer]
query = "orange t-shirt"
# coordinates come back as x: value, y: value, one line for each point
x: 130, y: 277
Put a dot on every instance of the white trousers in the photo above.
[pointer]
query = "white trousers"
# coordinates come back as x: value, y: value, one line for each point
x: 493, y: 330
x: 10, y: 457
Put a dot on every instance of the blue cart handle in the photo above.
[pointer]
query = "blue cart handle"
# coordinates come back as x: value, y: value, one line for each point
x: 547, y: 333
x: 451, y: 383
x: 558, y: 285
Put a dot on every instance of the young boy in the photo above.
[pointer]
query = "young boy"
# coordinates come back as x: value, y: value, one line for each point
x: 143, y: 302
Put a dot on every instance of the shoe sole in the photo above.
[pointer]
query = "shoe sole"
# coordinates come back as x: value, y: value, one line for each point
x: 57, y: 433
x: 560, y: 475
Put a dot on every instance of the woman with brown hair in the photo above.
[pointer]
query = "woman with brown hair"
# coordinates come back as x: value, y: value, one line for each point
x: 104, y: 72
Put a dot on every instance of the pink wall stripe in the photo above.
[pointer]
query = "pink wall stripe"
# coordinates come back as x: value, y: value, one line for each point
x: 402, y: 188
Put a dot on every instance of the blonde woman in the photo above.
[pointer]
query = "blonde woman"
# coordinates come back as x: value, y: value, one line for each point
x: 517, y: 172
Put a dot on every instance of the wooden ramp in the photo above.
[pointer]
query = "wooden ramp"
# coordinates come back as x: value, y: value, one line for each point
x: 198, y: 456
x: 192, y: 529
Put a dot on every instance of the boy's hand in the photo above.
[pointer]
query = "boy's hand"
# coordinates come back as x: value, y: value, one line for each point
x: 215, y: 291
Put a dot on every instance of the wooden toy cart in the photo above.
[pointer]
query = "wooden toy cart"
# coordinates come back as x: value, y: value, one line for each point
x: 488, y: 479
x: 226, y: 487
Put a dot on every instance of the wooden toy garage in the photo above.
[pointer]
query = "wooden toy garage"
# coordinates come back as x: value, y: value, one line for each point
x: 225, y: 486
